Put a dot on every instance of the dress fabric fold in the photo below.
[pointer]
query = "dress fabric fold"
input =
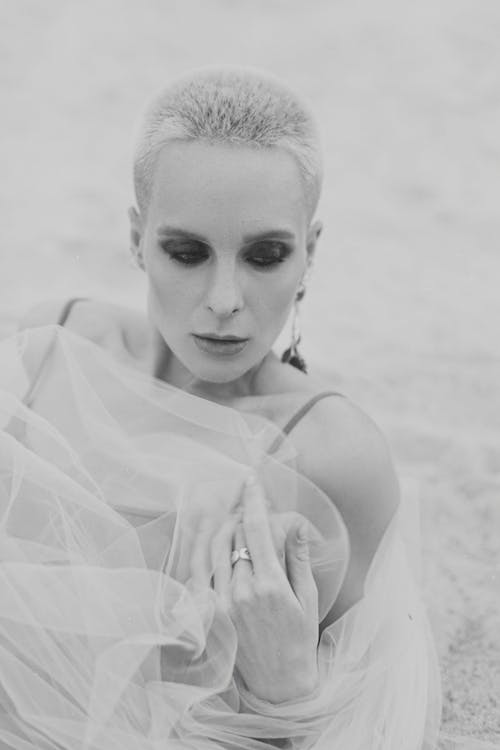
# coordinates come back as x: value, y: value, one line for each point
x: 106, y: 641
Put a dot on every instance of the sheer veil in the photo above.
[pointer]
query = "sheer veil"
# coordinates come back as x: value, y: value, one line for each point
x: 107, y: 476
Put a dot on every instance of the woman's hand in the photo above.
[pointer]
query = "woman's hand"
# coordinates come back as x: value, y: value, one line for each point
x: 273, y: 604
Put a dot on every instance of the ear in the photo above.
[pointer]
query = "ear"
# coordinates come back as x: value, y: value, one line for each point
x: 136, y: 231
x: 313, y: 234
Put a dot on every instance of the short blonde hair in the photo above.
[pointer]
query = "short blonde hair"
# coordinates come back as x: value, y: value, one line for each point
x: 229, y: 105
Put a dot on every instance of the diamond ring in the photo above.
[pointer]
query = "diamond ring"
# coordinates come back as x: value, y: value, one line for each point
x: 240, y: 554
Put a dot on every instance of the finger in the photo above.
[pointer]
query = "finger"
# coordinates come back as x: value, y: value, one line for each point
x: 281, y: 523
x: 222, y: 546
x: 279, y: 531
x: 298, y: 566
x: 257, y: 528
x: 242, y: 569
x: 200, y: 554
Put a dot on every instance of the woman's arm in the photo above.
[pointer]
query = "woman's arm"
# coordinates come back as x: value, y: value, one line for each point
x: 344, y: 453
x: 276, y: 617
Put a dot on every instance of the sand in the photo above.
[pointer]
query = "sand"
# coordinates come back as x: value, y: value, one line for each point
x: 403, y: 309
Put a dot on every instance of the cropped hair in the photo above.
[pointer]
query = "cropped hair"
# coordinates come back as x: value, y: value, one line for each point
x: 229, y: 105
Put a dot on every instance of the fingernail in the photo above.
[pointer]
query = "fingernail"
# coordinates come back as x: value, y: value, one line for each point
x: 301, y: 535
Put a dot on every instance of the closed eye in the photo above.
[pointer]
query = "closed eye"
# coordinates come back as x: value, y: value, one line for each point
x: 262, y: 254
x: 186, y: 252
x: 267, y: 253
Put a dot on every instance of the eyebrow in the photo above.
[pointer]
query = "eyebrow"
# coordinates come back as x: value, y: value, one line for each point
x: 281, y: 234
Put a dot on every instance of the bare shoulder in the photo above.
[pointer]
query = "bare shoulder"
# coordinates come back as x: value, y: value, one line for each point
x: 344, y: 453
x: 114, y: 327
x: 88, y: 317
x: 41, y: 314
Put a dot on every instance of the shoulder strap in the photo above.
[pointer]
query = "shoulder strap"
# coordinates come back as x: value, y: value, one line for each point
x: 61, y: 320
x: 295, y: 419
x: 67, y: 307
x: 307, y: 407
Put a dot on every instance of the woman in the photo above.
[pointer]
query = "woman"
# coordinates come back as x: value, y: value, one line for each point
x: 202, y: 545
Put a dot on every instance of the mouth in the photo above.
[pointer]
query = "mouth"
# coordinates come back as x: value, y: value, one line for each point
x: 221, y: 345
x: 217, y: 337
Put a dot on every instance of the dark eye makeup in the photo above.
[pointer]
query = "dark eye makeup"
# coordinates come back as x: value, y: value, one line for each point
x: 187, y: 252
x: 266, y: 253
x: 263, y: 254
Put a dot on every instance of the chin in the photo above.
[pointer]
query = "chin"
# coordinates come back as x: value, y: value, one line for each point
x: 217, y: 370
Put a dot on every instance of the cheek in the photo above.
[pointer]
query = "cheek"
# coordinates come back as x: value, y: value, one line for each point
x: 274, y: 302
x: 168, y: 290
x: 168, y: 305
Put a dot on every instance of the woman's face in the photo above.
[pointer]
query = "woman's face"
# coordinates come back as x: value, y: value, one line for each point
x: 225, y: 245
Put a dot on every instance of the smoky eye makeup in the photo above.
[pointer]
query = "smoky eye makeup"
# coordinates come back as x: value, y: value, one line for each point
x: 267, y: 253
x: 261, y: 253
x: 188, y: 252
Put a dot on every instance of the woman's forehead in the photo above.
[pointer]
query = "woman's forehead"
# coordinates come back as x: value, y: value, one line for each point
x: 254, y: 186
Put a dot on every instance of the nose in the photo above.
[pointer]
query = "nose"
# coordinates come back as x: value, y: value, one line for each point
x: 224, y: 296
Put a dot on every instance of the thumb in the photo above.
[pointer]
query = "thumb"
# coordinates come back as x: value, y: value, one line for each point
x: 298, y: 566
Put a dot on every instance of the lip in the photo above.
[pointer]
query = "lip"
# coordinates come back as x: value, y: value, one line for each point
x: 217, y: 337
x: 220, y: 345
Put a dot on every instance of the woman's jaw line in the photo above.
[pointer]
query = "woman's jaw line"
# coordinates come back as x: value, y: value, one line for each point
x: 171, y: 369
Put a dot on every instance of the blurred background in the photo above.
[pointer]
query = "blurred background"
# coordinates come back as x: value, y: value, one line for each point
x: 403, y: 308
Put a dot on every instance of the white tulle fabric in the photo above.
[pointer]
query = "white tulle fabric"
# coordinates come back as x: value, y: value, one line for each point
x: 106, y: 477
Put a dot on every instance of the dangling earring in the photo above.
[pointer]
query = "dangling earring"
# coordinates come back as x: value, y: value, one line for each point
x: 133, y: 262
x: 291, y: 355
x: 138, y: 261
